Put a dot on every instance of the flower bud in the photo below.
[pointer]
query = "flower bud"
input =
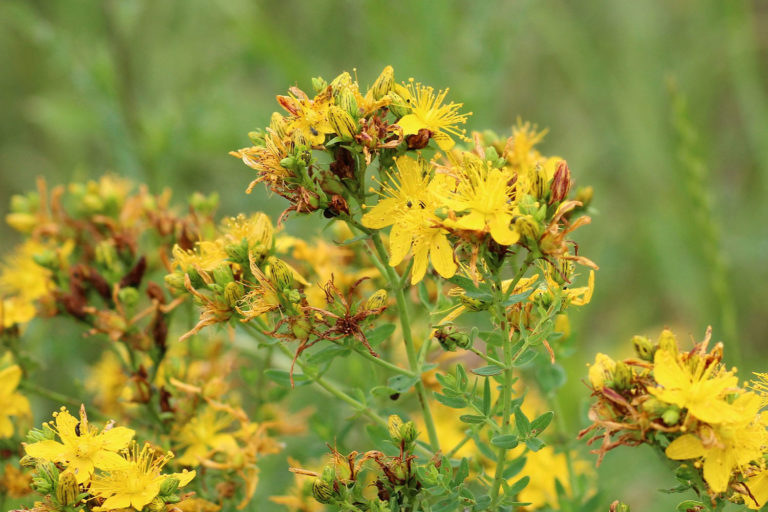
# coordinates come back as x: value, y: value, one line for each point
x: 156, y: 505
x: 397, y: 105
x: 129, y: 296
x: 643, y: 347
x: 175, y: 282
x: 561, y: 183
x: 383, y: 83
x: 238, y: 252
x: 341, y: 122
x: 671, y: 416
x: 528, y: 226
x: 377, y: 300
x: 618, y: 506
x: 105, y: 253
x: 538, y: 183
x: 46, y: 259
x: 67, y: 489
x: 347, y: 101
x: 277, y: 125
x: 222, y: 275
x: 668, y: 342
x: 472, y: 303
x: 342, y: 81
x: 21, y: 222
x: 322, y: 491
x: 454, y: 340
x: 654, y: 406
x: 24, y: 203
x: 233, y: 292
x: 602, y: 371
x: 584, y: 195
x: 301, y: 329
x: 408, y: 432
x: 195, y: 279
x: 393, y: 424
x: 622, y: 376
x: 279, y: 273
x: 169, y: 486
x: 319, y: 84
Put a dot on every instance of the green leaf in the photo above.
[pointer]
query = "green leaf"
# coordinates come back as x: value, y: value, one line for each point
x: 461, y: 376
x: 471, y: 418
x: 328, y: 354
x: 516, y: 487
x: 526, y: 357
x: 451, y: 401
x: 446, y: 505
x: 520, y: 297
x: 522, y: 424
x: 541, y: 423
x: 687, y: 505
x: 380, y: 333
x: 462, y: 472
x: 487, y: 397
x: 507, y: 441
x: 483, y: 502
x: 384, y: 391
x: 424, y: 295
x: 487, y: 371
x: 535, y: 444
x: 550, y: 376
x: 402, y: 383
x: 514, y: 467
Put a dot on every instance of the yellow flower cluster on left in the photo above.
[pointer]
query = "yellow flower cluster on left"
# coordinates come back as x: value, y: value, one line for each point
x: 22, y: 283
x: 105, y: 464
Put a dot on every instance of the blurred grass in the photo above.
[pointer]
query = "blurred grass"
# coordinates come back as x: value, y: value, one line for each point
x: 161, y: 91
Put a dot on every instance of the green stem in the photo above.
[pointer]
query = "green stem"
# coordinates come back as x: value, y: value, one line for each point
x: 410, y: 348
x: 383, y: 363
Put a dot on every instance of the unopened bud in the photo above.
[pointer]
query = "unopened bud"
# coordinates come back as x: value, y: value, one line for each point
x: 156, y: 505
x: 668, y: 342
x: 67, y: 489
x: 347, y: 102
x: 277, y: 125
x: 561, y: 183
x: 584, y: 195
x: 538, y: 183
x: 238, y: 252
x: 233, y: 292
x: 383, y: 83
x: 222, y: 275
x: 643, y: 347
x: 671, y: 416
x: 319, y: 84
x: 527, y: 225
x: 341, y: 122
x: 279, y: 273
x: 473, y: 304
x: 322, y: 491
x: 174, y: 282
x: 342, y: 81
x: 301, y: 329
x: 129, y: 296
x: 408, y: 432
x: 602, y: 371
x: 21, y: 222
x: 169, y: 486
x: 46, y: 259
x: 622, y: 376
x: 397, y: 105
x: 454, y: 340
x: 105, y: 253
x: 195, y: 279
x: 377, y: 300
x: 393, y: 424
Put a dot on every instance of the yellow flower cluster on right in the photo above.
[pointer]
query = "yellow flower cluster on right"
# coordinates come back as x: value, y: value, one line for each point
x: 691, y: 407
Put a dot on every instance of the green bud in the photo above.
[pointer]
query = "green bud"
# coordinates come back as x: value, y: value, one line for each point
x: 383, y: 83
x: 342, y: 123
x: 257, y: 137
x: 668, y: 342
x: 205, y: 205
x: 279, y: 273
x: 21, y: 204
x: 128, y: 296
x: 169, y: 486
x: 301, y: 329
x: 342, y: 81
x: 318, y: 84
x: 293, y: 296
x: 654, y: 407
x: 67, y: 489
x: 233, y: 292
x: 195, y: 278
x: 397, y: 105
x: 347, y: 101
x: 377, y: 300
x: 156, y: 505
x: 408, y: 432
x: 473, y: 304
x: 322, y: 491
x: 671, y: 416
x: 618, y: 506
x: 46, y: 259
x: 528, y: 226
x: 175, y: 282
x: 460, y: 339
x: 622, y: 376
x: 27, y: 462
x: 644, y: 347
x: 394, y: 424
x: 539, y: 183
x: 105, y: 253
x: 222, y: 275
x: 238, y: 252
x: 584, y: 195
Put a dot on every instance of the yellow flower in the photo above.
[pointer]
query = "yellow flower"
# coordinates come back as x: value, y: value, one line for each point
x: 484, y: 193
x: 692, y: 385
x: 724, y: 448
x: 109, y: 384
x: 309, y: 117
x: 11, y: 402
x: 15, y: 483
x: 409, y: 209
x: 82, y: 448
x: 136, y: 482
x: 256, y: 229
x: 205, y: 257
x: 203, y: 435
x: 601, y: 371
x: 22, y: 282
x: 544, y: 467
x: 428, y: 112
x: 299, y: 497
x: 758, y: 488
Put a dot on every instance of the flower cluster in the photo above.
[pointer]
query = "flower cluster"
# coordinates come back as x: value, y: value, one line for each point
x: 104, y: 469
x: 690, y: 406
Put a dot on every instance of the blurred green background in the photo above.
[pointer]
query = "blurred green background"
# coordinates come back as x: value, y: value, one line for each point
x: 661, y: 106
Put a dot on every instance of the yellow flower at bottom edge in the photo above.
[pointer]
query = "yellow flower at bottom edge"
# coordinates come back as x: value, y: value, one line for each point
x: 137, y: 482
x: 82, y: 447
x: 203, y: 435
x: 544, y: 467
x: 11, y: 402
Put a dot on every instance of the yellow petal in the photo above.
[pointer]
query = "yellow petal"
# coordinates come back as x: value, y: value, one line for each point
x: 184, y: 477
x: 474, y: 221
x: 381, y: 215
x: 716, y: 471
x: 117, y: 438
x: 444, y: 141
x: 9, y: 379
x: 411, y: 124
x: 6, y: 427
x: 109, y: 460
x: 420, y: 252
x: 441, y: 255
x: 47, y: 450
x: 684, y: 447
x: 667, y: 371
x: 399, y: 244
x: 500, y: 231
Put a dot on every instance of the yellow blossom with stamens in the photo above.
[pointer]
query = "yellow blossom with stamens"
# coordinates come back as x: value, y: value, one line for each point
x: 206, y: 256
x: 137, y: 482
x: 726, y: 447
x: 483, y: 193
x: 256, y: 229
x: 22, y: 282
x: 12, y: 403
x: 695, y: 386
x: 408, y: 206
x: 310, y: 117
x: 429, y: 112
x: 82, y: 447
x: 203, y: 435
